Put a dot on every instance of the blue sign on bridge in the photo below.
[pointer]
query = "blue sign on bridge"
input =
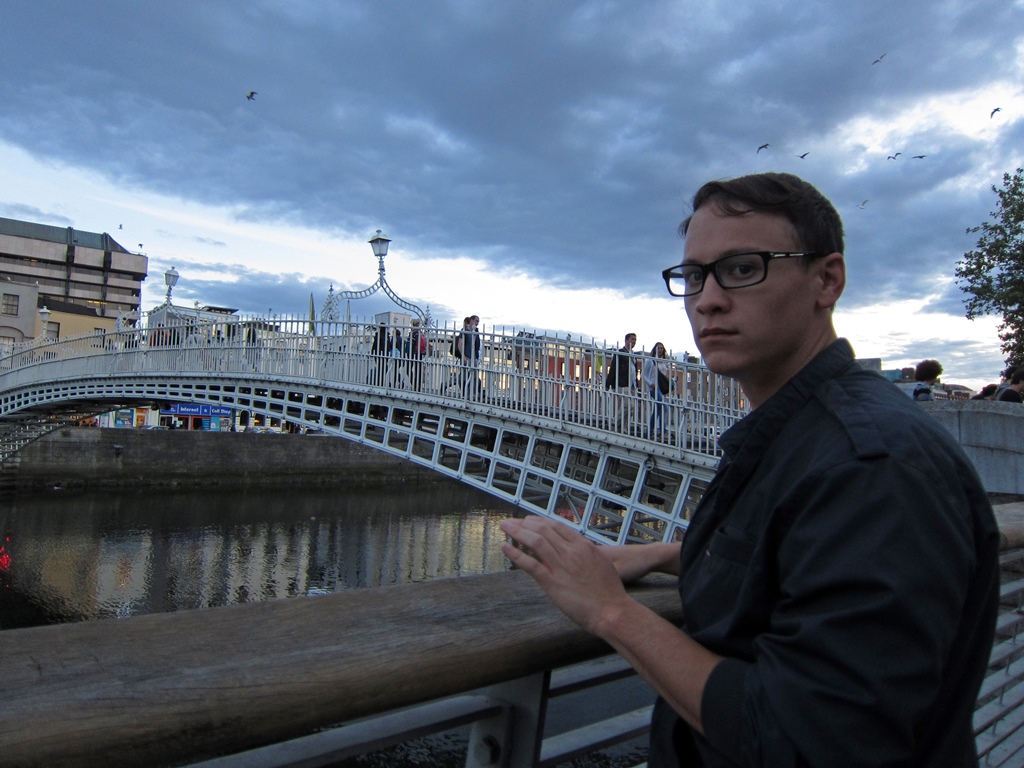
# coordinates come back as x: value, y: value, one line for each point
x: 196, y: 409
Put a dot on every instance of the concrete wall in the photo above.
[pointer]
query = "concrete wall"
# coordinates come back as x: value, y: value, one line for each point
x: 89, y: 458
x: 23, y: 325
x: 992, y: 435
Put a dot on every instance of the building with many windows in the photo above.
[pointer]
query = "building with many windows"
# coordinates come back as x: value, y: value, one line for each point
x: 18, y: 318
x: 25, y: 315
x: 72, y: 267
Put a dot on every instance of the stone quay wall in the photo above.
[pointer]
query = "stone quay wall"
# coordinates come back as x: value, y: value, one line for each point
x: 90, y: 458
x: 992, y: 436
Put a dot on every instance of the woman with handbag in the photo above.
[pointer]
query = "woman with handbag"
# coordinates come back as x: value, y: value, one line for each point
x: 655, y: 376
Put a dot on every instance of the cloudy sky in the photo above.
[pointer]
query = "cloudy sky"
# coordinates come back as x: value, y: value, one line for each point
x: 531, y: 161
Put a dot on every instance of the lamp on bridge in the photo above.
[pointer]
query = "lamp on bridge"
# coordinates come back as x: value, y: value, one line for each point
x: 379, y: 243
x: 170, y: 280
x: 44, y: 317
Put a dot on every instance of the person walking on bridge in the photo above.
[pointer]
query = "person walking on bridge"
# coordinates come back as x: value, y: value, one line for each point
x: 621, y: 380
x: 658, y: 384
x: 839, y: 579
x: 469, y: 353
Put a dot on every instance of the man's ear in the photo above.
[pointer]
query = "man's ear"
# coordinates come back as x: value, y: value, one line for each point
x: 832, y: 277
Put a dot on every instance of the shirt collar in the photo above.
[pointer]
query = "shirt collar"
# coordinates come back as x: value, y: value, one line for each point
x: 765, y: 422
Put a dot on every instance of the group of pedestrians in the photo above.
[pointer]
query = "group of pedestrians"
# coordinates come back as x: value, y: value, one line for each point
x: 397, y: 360
x: 622, y: 377
x: 1009, y: 390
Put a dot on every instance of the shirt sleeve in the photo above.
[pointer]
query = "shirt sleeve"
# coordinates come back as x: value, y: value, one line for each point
x: 650, y: 373
x: 874, y: 559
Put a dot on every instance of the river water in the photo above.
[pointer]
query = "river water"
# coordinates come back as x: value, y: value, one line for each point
x: 74, y: 557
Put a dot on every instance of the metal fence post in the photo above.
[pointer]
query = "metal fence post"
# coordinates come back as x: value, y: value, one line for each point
x: 513, y: 738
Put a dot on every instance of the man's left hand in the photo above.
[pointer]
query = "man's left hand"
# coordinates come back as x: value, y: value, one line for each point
x: 576, y: 574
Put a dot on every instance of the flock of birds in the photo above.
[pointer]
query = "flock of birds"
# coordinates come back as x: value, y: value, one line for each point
x: 251, y: 96
x: 893, y: 156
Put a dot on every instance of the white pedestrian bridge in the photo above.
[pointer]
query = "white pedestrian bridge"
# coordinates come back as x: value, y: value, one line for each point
x: 530, y: 421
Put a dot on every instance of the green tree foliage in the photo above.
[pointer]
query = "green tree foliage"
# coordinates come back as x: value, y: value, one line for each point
x: 993, y: 273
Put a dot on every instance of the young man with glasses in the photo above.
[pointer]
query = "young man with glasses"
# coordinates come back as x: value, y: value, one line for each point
x: 839, y: 579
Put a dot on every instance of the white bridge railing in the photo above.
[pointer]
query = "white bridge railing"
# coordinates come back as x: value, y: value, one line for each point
x: 523, y: 372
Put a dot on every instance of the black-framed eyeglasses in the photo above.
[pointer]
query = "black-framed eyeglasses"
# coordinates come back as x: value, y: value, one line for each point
x: 737, y: 270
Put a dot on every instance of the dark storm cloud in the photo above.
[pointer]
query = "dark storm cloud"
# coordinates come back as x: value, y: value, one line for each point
x: 562, y: 138
x: 32, y: 213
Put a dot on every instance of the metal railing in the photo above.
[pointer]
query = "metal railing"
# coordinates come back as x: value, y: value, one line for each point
x: 999, y: 717
x: 516, y: 371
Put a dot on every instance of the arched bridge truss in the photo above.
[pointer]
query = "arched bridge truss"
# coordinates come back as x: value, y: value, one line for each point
x: 525, y: 434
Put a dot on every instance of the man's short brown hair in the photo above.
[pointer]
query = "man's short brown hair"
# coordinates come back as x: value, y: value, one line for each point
x: 816, y: 221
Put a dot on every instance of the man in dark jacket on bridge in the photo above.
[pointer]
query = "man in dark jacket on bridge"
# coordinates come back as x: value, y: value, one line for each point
x: 622, y: 379
x: 839, y: 578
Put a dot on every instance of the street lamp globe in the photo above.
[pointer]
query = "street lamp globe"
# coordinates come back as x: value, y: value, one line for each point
x: 44, y: 317
x: 379, y: 243
x: 170, y: 280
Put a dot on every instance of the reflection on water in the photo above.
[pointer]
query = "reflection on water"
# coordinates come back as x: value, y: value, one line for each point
x: 77, y: 557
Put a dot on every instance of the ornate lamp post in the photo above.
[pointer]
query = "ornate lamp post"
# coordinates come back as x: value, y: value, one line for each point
x: 379, y: 243
x: 165, y: 314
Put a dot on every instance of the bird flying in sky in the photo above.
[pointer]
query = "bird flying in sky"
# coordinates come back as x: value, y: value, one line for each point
x: 920, y: 157
x: 251, y: 95
x: 805, y: 154
x: 893, y: 157
x: 763, y: 146
x: 863, y: 204
x: 993, y: 112
x: 878, y: 60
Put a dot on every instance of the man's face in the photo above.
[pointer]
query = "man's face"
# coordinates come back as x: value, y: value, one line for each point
x: 630, y: 342
x: 761, y: 335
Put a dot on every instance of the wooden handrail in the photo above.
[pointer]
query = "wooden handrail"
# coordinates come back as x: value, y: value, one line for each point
x: 166, y: 689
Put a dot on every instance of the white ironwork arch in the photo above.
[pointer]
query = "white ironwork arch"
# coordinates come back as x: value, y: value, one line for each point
x: 330, y: 309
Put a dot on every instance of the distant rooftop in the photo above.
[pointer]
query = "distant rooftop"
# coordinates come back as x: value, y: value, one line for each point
x: 64, y: 235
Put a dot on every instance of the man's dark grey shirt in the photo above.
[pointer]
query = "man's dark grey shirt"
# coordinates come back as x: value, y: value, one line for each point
x: 845, y: 562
